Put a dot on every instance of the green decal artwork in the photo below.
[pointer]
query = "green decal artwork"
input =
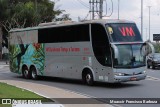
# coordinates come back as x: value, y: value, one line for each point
x: 26, y: 54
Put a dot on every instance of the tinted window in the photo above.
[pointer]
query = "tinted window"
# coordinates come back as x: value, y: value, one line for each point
x: 100, y: 44
x: 124, y: 32
x: 74, y: 33
x: 129, y: 56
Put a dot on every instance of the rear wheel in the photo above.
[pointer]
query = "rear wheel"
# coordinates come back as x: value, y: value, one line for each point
x: 25, y: 73
x: 34, y: 73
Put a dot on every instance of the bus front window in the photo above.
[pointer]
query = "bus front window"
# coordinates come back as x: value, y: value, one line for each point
x: 139, y: 60
x: 129, y: 56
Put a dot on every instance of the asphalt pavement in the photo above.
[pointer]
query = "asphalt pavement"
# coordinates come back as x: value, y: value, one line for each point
x: 49, y: 91
x: 64, y: 88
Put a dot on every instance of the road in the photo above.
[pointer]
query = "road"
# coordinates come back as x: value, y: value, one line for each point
x: 149, y: 88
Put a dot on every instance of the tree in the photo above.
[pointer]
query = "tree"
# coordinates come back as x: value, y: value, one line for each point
x: 26, y: 13
x: 3, y: 16
x: 32, y: 13
x: 65, y: 17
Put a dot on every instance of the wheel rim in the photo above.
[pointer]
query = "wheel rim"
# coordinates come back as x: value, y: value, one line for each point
x: 26, y: 73
x: 88, y: 78
x: 34, y: 73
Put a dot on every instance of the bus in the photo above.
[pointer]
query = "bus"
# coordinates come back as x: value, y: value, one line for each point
x: 110, y: 51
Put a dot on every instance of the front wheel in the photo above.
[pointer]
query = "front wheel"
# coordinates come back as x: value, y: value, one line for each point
x: 148, y: 66
x: 89, y: 78
x: 153, y: 67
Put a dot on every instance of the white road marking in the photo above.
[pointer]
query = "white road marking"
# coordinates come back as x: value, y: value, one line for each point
x: 152, y: 78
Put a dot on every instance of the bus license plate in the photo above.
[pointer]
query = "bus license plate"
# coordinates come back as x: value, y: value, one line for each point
x: 133, y: 78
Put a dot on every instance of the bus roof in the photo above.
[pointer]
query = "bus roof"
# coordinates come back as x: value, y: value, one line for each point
x: 55, y: 24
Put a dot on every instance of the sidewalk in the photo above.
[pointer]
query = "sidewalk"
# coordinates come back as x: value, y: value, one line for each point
x: 51, y: 92
x: 3, y: 62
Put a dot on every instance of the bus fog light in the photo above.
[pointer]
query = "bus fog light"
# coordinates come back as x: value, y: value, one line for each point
x: 119, y: 74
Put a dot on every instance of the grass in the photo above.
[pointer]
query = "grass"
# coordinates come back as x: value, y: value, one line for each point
x: 8, y: 91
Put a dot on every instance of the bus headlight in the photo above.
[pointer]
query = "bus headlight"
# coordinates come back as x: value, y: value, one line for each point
x: 119, y: 74
x: 144, y: 72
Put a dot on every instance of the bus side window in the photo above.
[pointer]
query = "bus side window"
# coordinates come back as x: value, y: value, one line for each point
x: 73, y: 33
x: 101, y: 45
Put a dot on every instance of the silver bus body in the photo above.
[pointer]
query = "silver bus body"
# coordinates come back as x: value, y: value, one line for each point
x: 73, y: 58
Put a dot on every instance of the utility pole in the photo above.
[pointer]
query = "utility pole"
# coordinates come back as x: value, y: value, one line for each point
x: 149, y: 7
x: 142, y: 18
x: 94, y: 8
x: 101, y: 9
x: 118, y: 9
x: 146, y: 33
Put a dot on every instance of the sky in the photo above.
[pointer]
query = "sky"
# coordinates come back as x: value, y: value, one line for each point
x: 129, y: 10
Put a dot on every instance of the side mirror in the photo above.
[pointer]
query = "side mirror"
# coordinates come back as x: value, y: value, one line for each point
x: 147, y: 48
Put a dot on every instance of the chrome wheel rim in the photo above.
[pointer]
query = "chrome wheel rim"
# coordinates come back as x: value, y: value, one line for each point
x: 88, y: 78
x: 34, y: 74
x: 26, y: 73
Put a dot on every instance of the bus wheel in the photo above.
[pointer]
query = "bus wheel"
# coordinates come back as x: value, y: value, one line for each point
x: 26, y: 73
x: 34, y: 73
x: 88, y: 78
x: 148, y: 66
x: 153, y: 67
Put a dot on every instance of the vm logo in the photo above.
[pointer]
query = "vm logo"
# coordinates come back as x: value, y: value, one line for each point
x: 6, y: 101
x: 127, y: 31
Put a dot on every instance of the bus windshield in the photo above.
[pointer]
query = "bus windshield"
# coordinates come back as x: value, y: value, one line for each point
x: 129, y: 56
x: 120, y: 32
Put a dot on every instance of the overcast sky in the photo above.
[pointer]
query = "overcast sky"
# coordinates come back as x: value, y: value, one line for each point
x: 129, y: 9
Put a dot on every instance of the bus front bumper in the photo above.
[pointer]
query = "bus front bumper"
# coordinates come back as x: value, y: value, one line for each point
x: 119, y: 78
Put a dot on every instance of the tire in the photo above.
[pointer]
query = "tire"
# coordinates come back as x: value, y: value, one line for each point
x: 148, y: 66
x: 88, y: 78
x: 25, y: 73
x: 34, y: 73
x: 153, y: 67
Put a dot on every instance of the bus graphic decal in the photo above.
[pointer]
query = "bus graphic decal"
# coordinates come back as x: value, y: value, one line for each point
x: 29, y: 54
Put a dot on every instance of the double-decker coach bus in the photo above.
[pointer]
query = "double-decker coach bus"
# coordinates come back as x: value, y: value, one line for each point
x: 100, y: 50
